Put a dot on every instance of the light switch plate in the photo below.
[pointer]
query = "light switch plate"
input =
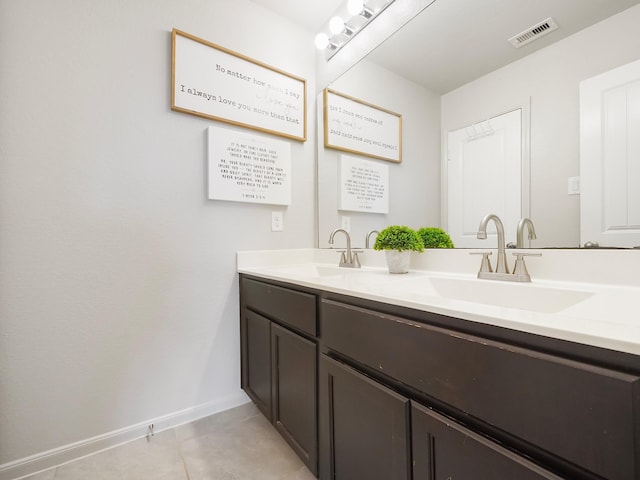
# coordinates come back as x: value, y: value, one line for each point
x: 346, y: 222
x: 277, y: 222
x: 574, y: 186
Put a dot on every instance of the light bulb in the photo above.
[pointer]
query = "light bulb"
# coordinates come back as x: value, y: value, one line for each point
x: 322, y: 41
x: 336, y: 25
x: 355, y: 7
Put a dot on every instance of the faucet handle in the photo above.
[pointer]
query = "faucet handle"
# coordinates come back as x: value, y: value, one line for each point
x: 485, y: 264
x: 520, y: 268
x: 520, y: 255
x: 354, y: 258
x: 345, y: 262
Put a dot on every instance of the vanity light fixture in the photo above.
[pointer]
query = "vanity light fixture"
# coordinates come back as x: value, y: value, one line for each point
x: 338, y: 32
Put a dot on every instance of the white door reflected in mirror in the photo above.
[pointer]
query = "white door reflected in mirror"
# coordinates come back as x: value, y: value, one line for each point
x: 610, y: 157
x: 484, y: 175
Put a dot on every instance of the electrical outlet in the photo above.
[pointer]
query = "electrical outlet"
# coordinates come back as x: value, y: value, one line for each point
x: 277, y: 222
x: 346, y: 222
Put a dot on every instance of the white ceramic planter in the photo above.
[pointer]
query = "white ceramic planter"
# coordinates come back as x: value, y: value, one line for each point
x: 398, y: 261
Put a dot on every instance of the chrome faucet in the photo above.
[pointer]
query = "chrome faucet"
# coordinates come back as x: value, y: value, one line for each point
x: 501, y: 266
x: 368, y: 239
x: 349, y: 258
x: 520, y: 233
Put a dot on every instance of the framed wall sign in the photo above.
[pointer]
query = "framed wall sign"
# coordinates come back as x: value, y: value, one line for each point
x: 213, y: 82
x: 248, y: 167
x: 363, y: 185
x: 354, y: 126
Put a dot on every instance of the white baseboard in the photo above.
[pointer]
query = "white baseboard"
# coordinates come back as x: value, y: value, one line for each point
x: 67, y: 453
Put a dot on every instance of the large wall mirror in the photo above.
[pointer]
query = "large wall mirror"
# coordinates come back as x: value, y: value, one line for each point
x: 452, y: 67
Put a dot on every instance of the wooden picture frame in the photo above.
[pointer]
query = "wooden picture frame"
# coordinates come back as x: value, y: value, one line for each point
x: 213, y: 82
x: 355, y: 126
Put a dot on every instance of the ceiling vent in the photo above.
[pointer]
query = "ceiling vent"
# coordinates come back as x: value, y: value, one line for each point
x: 533, y: 33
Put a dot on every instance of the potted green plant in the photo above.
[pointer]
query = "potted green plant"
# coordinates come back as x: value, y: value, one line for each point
x: 398, y: 241
x: 434, y: 237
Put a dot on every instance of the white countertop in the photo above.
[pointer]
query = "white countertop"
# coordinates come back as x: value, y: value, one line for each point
x: 604, y: 315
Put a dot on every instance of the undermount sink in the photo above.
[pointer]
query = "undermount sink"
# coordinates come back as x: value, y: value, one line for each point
x: 521, y: 296
x: 417, y: 287
x: 363, y: 279
x: 319, y: 272
x: 310, y: 270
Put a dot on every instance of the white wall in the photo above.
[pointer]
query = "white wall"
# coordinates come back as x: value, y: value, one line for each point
x: 414, y: 184
x: 118, y: 291
x: 550, y: 78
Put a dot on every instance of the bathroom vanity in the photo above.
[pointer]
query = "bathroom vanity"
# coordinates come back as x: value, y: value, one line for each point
x: 364, y: 380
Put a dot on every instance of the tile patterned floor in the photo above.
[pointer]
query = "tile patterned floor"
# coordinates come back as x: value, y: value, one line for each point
x: 238, y: 444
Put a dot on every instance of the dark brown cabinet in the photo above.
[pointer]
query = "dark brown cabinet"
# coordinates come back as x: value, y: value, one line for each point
x: 362, y: 389
x: 585, y: 414
x: 279, y: 362
x: 364, y: 427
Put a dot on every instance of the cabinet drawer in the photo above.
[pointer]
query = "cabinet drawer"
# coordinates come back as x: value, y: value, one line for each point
x: 582, y: 413
x: 290, y: 307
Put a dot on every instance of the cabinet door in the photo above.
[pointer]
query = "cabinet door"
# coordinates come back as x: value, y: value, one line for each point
x: 294, y: 392
x: 364, y: 427
x: 256, y: 359
x: 443, y: 449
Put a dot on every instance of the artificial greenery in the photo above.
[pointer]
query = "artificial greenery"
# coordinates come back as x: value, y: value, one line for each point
x: 434, y: 237
x: 398, y: 237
